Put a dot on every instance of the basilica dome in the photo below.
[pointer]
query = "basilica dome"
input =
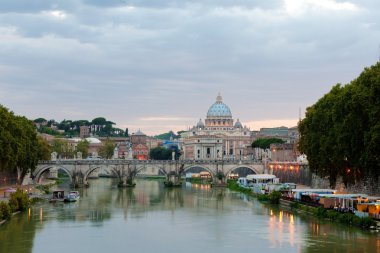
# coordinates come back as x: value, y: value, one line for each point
x: 219, y: 109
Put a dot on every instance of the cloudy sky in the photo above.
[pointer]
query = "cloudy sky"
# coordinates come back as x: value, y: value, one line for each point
x: 159, y: 64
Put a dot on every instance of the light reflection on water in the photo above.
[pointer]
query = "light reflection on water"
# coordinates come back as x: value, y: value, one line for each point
x: 194, y: 218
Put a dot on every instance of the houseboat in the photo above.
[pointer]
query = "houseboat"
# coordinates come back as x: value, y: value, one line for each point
x: 260, y: 183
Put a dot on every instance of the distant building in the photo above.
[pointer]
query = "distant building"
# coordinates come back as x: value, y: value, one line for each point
x: 289, y: 135
x: 139, y: 148
x: 84, y: 131
x: 218, y: 137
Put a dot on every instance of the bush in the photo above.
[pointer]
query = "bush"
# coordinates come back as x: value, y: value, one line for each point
x: 331, y: 214
x: 5, y: 211
x: 19, y: 201
x: 345, y: 218
x: 320, y: 212
x: 294, y: 205
x: 44, y: 188
x: 263, y: 197
x: 274, y: 197
x: 367, y: 222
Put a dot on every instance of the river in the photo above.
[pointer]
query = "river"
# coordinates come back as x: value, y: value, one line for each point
x: 151, y: 218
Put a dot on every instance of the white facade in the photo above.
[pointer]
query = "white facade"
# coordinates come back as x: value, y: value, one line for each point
x: 218, y: 137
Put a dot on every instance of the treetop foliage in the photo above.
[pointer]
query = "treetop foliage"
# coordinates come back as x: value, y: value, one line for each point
x: 20, y: 148
x: 341, y: 132
x: 264, y: 143
x: 167, y: 136
x: 98, y: 126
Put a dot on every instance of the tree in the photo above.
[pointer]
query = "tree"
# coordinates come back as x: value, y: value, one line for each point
x: 100, y: 121
x: 264, y: 143
x: 83, y: 147
x: 40, y: 120
x: 44, y: 150
x: 106, y: 151
x: 160, y: 153
x: 62, y: 148
x: 19, y: 146
x: 341, y: 132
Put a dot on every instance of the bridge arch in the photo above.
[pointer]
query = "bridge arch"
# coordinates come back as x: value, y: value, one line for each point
x: 37, y: 174
x: 187, y: 168
x: 253, y: 169
x: 89, y: 171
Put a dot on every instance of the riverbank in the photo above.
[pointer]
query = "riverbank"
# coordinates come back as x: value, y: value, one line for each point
x: 319, y: 212
x: 17, y: 202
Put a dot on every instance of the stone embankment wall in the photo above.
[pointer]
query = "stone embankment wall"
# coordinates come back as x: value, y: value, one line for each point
x: 366, y: 186
x: 303, y: 176
x: 299, y: 175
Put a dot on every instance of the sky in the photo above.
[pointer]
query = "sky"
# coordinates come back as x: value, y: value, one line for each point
x: 159, y: 65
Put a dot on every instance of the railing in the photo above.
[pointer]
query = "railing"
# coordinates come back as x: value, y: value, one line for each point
x: 120, y: 161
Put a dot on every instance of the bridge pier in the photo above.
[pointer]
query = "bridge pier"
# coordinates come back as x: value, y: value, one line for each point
x: 127, y: 176
x: 219, y: 180
x: 78, y: 180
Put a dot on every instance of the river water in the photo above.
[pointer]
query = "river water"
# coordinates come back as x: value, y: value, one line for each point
x: 151, y: 218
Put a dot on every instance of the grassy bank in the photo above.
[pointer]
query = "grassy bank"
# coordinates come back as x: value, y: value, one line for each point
x: 332, y: 215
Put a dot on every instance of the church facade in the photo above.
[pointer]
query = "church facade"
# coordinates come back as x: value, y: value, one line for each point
x: 218, y: 137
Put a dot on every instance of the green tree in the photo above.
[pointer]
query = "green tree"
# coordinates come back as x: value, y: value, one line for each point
x: 341, y: 132
x: 19, y: 145
x: 40, y: 120
x: 62, y: 148
x: 264, y: 143
x: 83, y: 147
x: 44, y: 150
x: 160, y: 153
x: 106, y: 151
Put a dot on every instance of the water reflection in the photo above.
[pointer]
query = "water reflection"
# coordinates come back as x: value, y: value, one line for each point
x: 195, y: 217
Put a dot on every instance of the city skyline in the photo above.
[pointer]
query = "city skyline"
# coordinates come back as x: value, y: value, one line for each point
x: 158, y: 66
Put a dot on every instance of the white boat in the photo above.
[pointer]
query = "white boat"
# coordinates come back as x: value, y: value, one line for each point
x: 72, y: 196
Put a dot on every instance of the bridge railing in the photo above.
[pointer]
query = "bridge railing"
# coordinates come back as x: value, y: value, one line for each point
x: 138, y: 162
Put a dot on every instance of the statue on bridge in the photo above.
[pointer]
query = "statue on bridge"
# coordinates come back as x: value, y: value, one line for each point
x: 54, y: 156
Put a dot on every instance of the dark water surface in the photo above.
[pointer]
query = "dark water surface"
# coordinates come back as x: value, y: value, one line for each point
x: 150, y: 218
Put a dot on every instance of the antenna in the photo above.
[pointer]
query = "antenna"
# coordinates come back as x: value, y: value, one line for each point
x: 299, y: 113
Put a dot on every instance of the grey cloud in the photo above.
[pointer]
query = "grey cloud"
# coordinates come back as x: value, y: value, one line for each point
x: 170, y: 58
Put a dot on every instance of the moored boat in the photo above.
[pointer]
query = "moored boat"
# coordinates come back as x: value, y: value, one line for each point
x: 72, y: 196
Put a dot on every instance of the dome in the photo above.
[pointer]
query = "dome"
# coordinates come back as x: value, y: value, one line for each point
x: 138, y: 133
x: 93, y: 140
x: 238, y: 124
x: 219, y: 109
x: 200, y: 124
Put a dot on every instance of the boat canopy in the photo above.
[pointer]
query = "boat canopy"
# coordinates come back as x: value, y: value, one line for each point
x: 343, y: 196
x: 260, y: 176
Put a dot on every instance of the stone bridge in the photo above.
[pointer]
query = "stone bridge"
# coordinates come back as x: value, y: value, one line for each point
x: 126, y: 170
